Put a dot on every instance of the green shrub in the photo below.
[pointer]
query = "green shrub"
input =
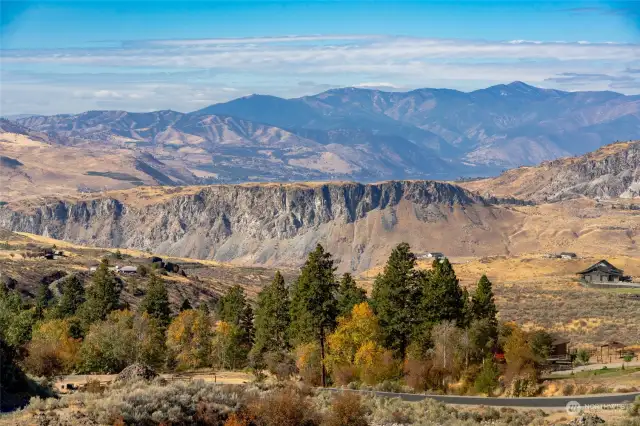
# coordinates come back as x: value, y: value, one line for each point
x: 583, y: 356
x: 487, y: 379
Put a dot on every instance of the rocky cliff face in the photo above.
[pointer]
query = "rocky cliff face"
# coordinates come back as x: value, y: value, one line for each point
x: 275, y: 224
x: 610, y: 172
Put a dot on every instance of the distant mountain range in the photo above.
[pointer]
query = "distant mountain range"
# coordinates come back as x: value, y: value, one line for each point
x: 362, y: 134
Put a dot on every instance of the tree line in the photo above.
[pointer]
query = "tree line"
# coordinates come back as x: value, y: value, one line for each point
x: 418, y: 327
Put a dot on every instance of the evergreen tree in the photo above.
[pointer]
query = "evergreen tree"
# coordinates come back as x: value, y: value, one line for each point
x: 156, y: 301
x: 43, y: 297
x: 395, y: 299
x: 72, y: 297
x: 246, y: 325
x: 102, y: 297
x: 232, y: 305
x: 186, y: 305
x: 349, y: 295
x: 272, y: 318
x: 443, y: 298
x: 314, y: 307
x: 483, y: 306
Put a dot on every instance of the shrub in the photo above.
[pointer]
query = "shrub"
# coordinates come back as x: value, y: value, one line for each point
x: 583, y: 356
x: 344, y: 374
x: 418, y: 374
x: 634, y: 410
x: 93, y: 386
x: 376, y: 364
x: 280, y: 364
x: 309, y: 363
x: 142, y: 270
x: 284, y: 407
x: 52, y: 349
x: 487, y: 379
x: 346, y: 410
x: 568, y: 389
x: 141, y: 403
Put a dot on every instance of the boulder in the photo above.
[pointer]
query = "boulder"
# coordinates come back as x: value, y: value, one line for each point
x: 135, y: 372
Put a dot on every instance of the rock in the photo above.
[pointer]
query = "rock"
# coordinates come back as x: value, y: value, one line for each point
x: 270, y: 224
x: 135, y: 372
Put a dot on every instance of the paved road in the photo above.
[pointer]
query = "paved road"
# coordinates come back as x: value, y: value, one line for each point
x: 545, y: 402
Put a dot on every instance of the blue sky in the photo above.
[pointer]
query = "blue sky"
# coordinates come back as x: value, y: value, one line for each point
x: 70, y: 56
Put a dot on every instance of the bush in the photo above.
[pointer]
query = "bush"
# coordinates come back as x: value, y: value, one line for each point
x: 346, y: 410
x: 285, y: 407
x: 309, y: 363
x: 487, y: 379
x: 280, y: 364
x: 142, y: 270
x: 342, y: 375
x: 634, y: 410
x: 141, y: 403
x: 583, y: 356
x: 568, y: 389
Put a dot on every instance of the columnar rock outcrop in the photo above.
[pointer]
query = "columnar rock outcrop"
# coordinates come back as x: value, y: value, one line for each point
x: 259, y: 223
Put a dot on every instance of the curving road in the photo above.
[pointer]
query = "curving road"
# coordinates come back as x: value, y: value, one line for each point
x: 545, y: 402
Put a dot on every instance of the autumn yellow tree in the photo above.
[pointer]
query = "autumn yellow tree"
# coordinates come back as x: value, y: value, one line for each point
x: 52, y: 350
x: 375, y: 364
x: 354, y: 349
x: 189, y: 339
x: 353, y: 331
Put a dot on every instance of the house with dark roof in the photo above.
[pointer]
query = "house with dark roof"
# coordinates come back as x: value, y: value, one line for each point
x: 602, y: 273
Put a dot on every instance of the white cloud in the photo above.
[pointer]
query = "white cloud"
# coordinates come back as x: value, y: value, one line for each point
x: 175, y: 74
x: 107, y: 94
x: 378, y: 85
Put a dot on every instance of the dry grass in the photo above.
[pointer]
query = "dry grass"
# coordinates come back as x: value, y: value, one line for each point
x: 536, y: 292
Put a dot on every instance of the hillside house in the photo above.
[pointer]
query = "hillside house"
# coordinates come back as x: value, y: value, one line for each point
x: 128, y: 270
x: 568, y: 255
x: 602, y: 273
x: 435, y: 255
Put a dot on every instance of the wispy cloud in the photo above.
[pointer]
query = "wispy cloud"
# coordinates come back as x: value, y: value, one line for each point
x: 177, y: 73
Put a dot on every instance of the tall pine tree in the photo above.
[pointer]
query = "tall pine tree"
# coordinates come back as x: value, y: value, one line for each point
x: 272, y: 318
x: 314, y: 307
x: 231, y: 306
x: 102, y: 297
x: 442, y: 297
x: 72, y: 297
x: 156, y: 301
x: 349, y: 295
x: 395, y: 299
x: 483, y: 306
x: 43, y: 299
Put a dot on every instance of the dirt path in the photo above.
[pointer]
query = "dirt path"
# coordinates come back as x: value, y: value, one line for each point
x: 222, y: 377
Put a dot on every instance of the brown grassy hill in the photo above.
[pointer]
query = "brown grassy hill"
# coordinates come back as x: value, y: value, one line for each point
x: 203, y: 282
x: 610, y: 172
x: 32, y: 167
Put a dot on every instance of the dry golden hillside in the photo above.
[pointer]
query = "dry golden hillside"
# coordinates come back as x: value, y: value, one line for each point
x: 537, y: 292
